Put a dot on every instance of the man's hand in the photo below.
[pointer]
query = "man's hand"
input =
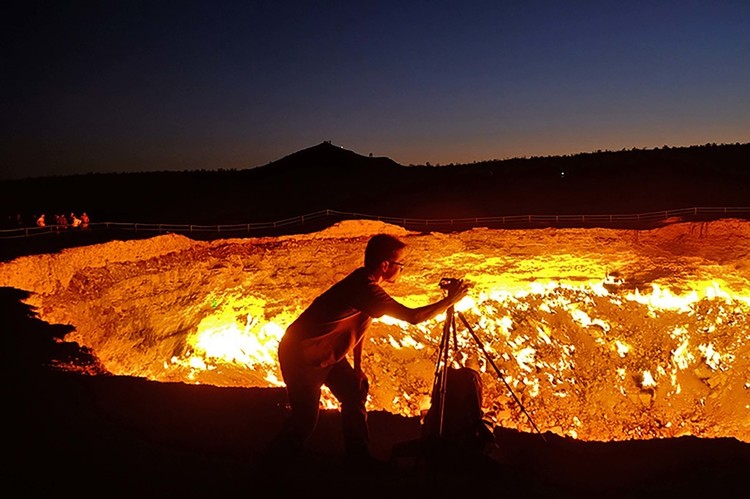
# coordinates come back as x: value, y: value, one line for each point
x: 457, y: 290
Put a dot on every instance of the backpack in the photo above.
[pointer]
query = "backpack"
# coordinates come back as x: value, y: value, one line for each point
x: 463, y: 425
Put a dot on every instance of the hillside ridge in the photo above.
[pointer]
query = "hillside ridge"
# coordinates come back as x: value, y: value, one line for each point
x: 326, y: 176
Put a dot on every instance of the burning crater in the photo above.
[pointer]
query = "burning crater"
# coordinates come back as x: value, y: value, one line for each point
x: 602, y: 334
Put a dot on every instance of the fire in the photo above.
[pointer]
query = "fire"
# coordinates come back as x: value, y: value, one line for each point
x: 235, y: 333
x: 601, y: 334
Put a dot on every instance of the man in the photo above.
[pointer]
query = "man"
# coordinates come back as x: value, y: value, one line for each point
x: 314, y: 349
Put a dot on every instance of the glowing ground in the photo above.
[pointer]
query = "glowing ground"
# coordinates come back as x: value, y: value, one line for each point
x: 602, y: 334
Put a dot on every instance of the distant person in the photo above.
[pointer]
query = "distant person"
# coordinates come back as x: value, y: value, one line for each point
x: 84, y: 220
x: 62, y: 221
x: 75, y: 222
x: 313, y: 351
x: 40, y: 222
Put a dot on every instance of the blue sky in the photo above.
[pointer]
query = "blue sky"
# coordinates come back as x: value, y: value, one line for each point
x: 116, y: 86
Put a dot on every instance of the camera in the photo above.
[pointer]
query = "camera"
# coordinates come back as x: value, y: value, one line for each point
x: 447, y: 282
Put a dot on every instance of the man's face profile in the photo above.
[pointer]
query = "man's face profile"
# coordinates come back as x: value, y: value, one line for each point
x: 395, y: 266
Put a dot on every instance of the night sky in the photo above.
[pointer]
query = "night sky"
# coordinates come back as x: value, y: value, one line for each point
x: 119, y: 86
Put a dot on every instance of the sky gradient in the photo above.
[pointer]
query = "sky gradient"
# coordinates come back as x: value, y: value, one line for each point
x: 119, y: 86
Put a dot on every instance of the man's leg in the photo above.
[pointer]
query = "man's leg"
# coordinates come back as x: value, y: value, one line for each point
x: 304, y: 400
x: 346, y: 387
x: 303, y: 393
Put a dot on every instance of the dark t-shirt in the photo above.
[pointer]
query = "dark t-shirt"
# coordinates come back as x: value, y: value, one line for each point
x: 337, y: 320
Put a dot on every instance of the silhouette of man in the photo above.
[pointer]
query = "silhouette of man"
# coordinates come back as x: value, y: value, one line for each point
x: 314, y: 349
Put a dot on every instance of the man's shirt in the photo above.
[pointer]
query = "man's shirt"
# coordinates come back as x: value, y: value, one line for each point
x: 337, y: 320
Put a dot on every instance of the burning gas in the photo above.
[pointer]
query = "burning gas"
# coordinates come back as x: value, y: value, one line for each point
x: 602, y: 334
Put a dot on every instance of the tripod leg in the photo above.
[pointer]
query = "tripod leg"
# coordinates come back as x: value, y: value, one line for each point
x: 448, y: 327
x: 499, y: 374
x: 442, y: 355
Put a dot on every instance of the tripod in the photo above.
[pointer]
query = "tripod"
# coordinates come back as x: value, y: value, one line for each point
x: 440, y: 382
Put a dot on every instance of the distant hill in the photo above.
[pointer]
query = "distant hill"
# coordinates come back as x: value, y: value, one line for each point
x: 328, y: 176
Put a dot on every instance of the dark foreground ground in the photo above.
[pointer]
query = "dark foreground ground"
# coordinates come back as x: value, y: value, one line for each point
x: 112, y: 436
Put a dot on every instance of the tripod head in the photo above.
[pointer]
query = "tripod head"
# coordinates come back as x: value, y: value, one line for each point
x: 448, y: 282
x: 453, y: 286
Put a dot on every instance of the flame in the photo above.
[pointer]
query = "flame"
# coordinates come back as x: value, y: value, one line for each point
x: 235, y: 333
x: 658, y: 347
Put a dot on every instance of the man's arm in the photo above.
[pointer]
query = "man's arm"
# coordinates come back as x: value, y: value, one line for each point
x: 426, y: 312
x: 358, y: 356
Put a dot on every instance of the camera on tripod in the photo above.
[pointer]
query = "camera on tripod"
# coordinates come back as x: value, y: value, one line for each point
x: 447, y: 282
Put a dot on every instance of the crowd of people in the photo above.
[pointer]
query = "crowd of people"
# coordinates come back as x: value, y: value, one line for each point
x: 62, y: 221
x: 58, y: 220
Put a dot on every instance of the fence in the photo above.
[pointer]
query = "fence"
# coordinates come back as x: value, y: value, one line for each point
x: 315, y: 219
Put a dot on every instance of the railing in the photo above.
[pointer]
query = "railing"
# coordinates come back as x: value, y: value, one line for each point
x: 413, y: 223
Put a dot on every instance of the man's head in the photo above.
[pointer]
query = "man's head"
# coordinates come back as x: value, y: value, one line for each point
x: 383, y: 254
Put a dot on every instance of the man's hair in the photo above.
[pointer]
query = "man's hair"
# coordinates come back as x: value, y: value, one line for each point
x: 380, y: 248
